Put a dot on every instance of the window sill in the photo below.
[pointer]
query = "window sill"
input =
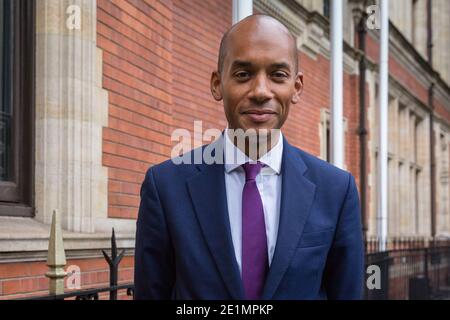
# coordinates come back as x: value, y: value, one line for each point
x: 16, y: 210
x: 25, y: 239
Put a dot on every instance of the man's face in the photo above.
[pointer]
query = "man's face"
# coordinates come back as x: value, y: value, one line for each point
x: 258, y: 81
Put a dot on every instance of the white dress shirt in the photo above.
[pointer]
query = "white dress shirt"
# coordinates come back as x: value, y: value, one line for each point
x: 269, y: 186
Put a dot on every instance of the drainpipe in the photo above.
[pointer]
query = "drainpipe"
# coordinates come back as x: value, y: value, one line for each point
x: 431, y: 107
x: 337, y: 79
x: 362, y: 130
x: 241, y: 9
x: 383, y: 125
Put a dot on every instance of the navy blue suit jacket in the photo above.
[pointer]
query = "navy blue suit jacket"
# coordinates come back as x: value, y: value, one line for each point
x: 184, y: 248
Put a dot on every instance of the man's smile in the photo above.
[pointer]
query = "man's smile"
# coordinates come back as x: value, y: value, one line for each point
x: 259, y: 115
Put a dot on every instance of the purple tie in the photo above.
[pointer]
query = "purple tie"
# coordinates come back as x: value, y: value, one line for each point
x: 254, y: 242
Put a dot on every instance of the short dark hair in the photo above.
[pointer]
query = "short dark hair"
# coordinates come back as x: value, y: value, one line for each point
x: 224, y: 40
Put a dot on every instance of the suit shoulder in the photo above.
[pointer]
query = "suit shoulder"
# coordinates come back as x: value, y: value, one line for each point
x: 176, y: 166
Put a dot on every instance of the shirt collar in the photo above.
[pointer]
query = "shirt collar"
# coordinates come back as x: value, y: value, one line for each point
x: 234, y: 157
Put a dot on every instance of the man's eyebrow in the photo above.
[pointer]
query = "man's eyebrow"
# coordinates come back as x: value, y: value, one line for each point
x: 240, y: 64
x: 281, y: 65
x: 247, y: 64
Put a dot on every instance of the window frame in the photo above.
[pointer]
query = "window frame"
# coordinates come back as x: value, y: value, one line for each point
x: 16, y: 195
x: 325, y: 135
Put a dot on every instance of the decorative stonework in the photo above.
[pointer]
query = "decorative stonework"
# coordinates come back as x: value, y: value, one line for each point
x: 409, y: 161
x: 324, y: 125
x: 442, y: 136
x: 56, y: 259
x: 310, y: 28
x: 441, y: 36
x: 71, y: 109
x: 414, y: 62
x: 25, y: 239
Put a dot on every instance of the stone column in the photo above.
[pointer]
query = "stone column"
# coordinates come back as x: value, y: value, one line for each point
x: 405, y: 197
x: 419, y: 38
x: 441, y: 36
x: 442, y: 181
x: 424, y: 177
x: 393, y: 177
x: 71, y: 109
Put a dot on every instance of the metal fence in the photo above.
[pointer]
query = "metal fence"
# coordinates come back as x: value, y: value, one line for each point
x: 113, y: 261
x: 416, y: 273
x: 406, y: 272
x: 91, y: 294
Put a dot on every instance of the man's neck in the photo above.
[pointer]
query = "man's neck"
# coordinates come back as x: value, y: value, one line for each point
x: 255, y: 146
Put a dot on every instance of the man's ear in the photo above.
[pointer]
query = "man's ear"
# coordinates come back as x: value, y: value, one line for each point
x: 216, y: 90
x: 298, y: 85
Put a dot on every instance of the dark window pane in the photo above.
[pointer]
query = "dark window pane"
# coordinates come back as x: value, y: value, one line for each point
x: 328, y: 155
x: 5, y: 91
x: 326, y: 8
x: 1, y: 52
x: 17, y: 20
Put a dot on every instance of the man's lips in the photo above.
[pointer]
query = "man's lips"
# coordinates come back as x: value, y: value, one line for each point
x: 259, y: 116
x: 258, y: 111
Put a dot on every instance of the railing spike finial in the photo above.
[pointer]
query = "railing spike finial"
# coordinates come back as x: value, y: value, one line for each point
x: 113, y: 262
x: 113, y: 245
x: 56, y: 258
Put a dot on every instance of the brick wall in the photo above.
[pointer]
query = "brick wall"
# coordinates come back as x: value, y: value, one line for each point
x: 21, y: 280
x: 157, y: 60
x: 136, y: 39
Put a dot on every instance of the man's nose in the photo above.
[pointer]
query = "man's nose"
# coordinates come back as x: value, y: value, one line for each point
x: 261, y: 89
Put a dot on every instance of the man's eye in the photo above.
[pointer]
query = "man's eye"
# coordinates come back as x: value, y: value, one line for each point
x: 242, y: 74
x: 280, y: 75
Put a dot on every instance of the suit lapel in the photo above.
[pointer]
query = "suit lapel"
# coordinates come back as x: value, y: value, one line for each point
x: 297, y: 194
x: 208, y: 194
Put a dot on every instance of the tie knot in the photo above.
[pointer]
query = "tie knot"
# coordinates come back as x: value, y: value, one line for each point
x: 251, y: 170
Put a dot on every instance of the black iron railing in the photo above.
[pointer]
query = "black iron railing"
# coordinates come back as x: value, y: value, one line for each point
x: 418, y: 273
x: 94, y: 293
x: 408, y: 273
x: 90, y: 294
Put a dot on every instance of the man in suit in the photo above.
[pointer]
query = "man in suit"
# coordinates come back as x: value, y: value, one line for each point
x: 276, y: 224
